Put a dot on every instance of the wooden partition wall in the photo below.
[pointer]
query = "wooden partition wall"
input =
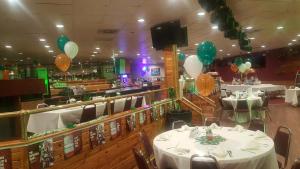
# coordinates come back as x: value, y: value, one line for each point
x: 113, y: 152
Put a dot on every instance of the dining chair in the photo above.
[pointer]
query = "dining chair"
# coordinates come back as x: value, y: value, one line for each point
x: 257, y: 124
x: 282, y: 142
x: 140, y: 159
x: 147, y: 147
x: 210, y: 120
x: 296, y: 164
x: 242, y: 108
x: 88, y: 113
x: 139, y: 101
x: 177, y: 124
x: 42, y: 105
x: 265, y: 106
x: 205, y: 162
x: 127, y: 104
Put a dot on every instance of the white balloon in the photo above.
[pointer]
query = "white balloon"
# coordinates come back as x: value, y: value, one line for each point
x: 71, y: 49
x: 193, y: 66
x: 248, y: 65
x: 243, y: 68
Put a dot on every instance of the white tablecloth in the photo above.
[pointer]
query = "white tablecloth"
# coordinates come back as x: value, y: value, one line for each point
x: 291, y: 96
x: 57, y: 119
x: 252, y: 100
x: 167, y: 154
x: 262, y: 87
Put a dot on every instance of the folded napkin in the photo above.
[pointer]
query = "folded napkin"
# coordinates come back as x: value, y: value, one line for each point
x: 238, y: 128
x: 251, y: 146
x: 260, y: 134
x: 183, y: 128
x: 195, y: 132
x: 214, y: 126
x: 219, y: 152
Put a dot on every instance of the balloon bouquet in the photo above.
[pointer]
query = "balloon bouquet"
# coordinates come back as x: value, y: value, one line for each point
x: 70, y: 49
x: 242, y: 67
x: 206, y: 53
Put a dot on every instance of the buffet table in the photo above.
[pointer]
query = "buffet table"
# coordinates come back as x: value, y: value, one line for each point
x: 291, y: 96
x: 241, y: 149
x: 58, y: 119
x: 261, y: 87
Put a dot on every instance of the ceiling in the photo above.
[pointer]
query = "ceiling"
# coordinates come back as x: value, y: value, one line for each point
x: 24, y: 22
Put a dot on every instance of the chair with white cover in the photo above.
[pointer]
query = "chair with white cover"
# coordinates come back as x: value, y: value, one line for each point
x: 203, y: 162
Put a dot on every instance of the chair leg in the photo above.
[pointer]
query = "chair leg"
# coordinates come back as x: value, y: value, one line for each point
x: 268, y: 114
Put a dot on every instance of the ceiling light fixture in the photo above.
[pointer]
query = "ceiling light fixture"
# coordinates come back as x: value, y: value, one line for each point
x: 263, y: 46
x: 290, y: 44
x: 233, y: 45
x: 201, y: 13
x: 141, y: 20
x: 162, y: 58
x: 95, y: 52
x: 97, y: 48
x: 8, y: 46
x: 178, y: 50
x: 20, y: 53
x: 221, y: 50
x: 42, y: 40
x: 294, y: 40
x: 248, y: 52
x: 60, y: 26
x: 298, y: 35
x: 148, y: 57
x: 138, y: 54
x: 228, y: 54
x: 252, y: 38
x: 47, y: 46
x: 279, y: 27
x: 214, y: 27
x: 93, y: 55
x: 196, y: 44
x: 121, y: 51
x: 249, y: 27
x: 50, y: 51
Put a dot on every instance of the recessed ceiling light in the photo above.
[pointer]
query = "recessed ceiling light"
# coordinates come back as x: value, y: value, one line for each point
x: 20, y: 53
x: 252, y: 38
x: 298, y: 35
x: 249, y: 27
x: 263, y: 46
x: 196, y: 44
x: 97, y: 48
x: 221, y: 50
x: 42, y: 40
x: 50, y: 51
x: 93, y: 55
x: 138, y: 54
x: 178, y: 50
x: 294, y: 40
x: 141, y: 20
x: 214, y: 27
x: 95, y: 52
x: 47, y: 46
x: 178, y: 53
x: 233, y: 45
x: 21, y: 60
x: 290, y: 44
x: 121, y: 51
x: 248, y: 52
x: 228, y: 54
x: 60, y: 26
x: 8, y: 46
x: 201, y: 13
x: 279, y: 27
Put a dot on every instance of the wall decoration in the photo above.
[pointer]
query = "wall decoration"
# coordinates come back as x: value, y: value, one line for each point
x: 5, y: 159
x: 155, y: 71
x: 41, y: 154
x: 72, y: 144
x: 115, y: 128
x: 130, y: 123
x: 97, y: 135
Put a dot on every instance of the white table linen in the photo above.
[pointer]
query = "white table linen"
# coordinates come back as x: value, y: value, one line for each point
x: 251, y: 101
x: 291, y: 96
x: 175, y: 148
x: 57, y: 119
x: 261, y: 87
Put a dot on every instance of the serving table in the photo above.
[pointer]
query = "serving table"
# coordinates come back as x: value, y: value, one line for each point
x: 241, y: 149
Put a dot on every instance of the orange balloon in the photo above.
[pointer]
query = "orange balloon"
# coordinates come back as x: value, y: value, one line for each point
x: 5, y: 75
x: 205, y: 84
x: 62, y: 62
x: 234, y: 68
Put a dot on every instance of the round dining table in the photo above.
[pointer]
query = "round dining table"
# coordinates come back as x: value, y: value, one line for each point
x: 240, y: 149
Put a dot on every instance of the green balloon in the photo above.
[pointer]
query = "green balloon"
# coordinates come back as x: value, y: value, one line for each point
x: 181, y: 56
x: 206, y: 52
x: 61, y: 41
x: 238, y: 61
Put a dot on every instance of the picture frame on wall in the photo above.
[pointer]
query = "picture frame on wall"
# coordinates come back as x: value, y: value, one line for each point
x: 155, y: 71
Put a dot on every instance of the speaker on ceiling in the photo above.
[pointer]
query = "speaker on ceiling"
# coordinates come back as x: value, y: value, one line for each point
x: 169, y: 33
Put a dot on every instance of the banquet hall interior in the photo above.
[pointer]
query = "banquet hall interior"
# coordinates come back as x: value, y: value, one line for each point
x: 150, y: 84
